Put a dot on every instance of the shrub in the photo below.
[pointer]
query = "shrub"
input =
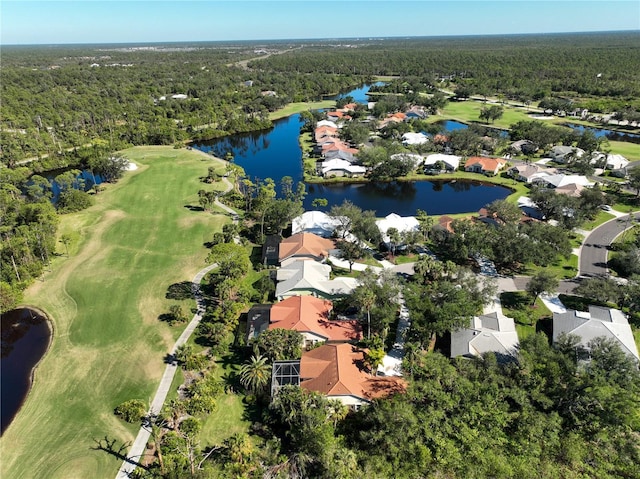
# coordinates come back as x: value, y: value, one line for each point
x: 131, y: 411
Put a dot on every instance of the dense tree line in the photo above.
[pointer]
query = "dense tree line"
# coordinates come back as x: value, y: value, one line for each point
x: 600, y: 68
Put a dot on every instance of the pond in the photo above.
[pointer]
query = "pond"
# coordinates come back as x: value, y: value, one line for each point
x: 609, y: 134
x: 26, y: 335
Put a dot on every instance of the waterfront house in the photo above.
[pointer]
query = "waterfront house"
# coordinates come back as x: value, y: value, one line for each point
x: 486, y: 166
x: 316, y: 222
x: 450, y: 162
x: 341, y: 168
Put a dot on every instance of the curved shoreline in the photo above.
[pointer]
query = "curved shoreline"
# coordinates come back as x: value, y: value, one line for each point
x: 32, y: 374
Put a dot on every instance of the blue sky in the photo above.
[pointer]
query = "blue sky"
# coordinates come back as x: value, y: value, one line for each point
x: 115, y: 21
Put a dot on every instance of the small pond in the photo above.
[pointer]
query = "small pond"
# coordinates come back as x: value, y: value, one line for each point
x: 26, y: 335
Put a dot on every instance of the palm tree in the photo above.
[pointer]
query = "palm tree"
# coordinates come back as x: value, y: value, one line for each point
x: 366, y: 299
x: 255, y: 374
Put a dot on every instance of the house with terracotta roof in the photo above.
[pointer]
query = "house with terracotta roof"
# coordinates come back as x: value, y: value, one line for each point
x: 305, y: 246
x: 310, y: 316
x: 338, y: 116
x: 339, y: 372
x: 486, y: 166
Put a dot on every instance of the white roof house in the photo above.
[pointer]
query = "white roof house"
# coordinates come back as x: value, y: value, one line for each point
x: 316, y: 222
x: 326, y: 123
x: 342, y: 167
x: 559, y: 180
x: 452, y: 162
x: 416, y: 159
x: 401, y: 223
x: 411, y: 138
x: 598, y: 322
x: 300, y: 277
x: 179, y: 96
x: 616, y: 162
x: 491, y: 332
x: 560, y: 153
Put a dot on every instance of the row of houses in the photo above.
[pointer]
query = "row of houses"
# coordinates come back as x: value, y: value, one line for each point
x: 494, y: 332
x: 337, y: 367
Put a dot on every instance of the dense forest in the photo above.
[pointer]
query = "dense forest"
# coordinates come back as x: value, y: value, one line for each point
x: 57, y: 98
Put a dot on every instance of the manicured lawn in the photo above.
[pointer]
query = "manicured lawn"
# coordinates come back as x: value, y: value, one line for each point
x: 631, y: 151
x: 517, y: 305
x: 292, y: 108
x: 469, y: 111
x: 601, y: 217
x: 105, y: 299
x: 561, y: 268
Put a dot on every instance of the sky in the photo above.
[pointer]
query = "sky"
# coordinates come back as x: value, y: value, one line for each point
x: 121, y: 21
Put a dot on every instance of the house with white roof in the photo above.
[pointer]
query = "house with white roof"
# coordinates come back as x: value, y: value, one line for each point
x: 328, y: 123
x: 615, y: 162
x: 339, y: 168
x: 492, y: 332
x: 411, y: 138
x: 560, y: 180
x: 400, y: 223
x: 305, y: 277
x: 597, y: 322
x: 415, y: 159
x: 451, y: 162
x: 316, y: 222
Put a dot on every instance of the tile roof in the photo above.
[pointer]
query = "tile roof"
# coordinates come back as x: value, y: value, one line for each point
x: 339, y: 370
x: 487, y: 164
x: 310, y: 314
x: 305, y: 244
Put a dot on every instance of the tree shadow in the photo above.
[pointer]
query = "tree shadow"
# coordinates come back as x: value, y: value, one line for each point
x: 167, y: 318
x: 109, y: 446
x: 194, y: 208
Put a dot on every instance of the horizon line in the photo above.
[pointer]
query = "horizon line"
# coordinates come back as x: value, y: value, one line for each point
x: 322, y: 39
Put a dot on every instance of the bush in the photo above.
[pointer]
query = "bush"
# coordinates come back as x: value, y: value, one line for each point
x: 131, y: 411
x: 72, y: 200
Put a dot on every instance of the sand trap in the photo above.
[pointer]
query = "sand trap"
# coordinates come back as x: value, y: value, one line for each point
x: 132, y: 166
x: 541, y: 117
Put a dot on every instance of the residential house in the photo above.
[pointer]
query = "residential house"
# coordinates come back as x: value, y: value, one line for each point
x: 491, y: 332
x: 339, y: 372
x: 560, y: 180
x: 341, y: 155
x: 400, y: 223
x: 415, y: 113
x: 258, y: 319
x: 450, y: 162
x: 270, y: 250
x: 597, y: 322
x: 341, y: 168
x: 338, y: 116
x: 316, y: 222
x: 524, y: 146
x: 310, y: 316
x: 615, y: 162
x: 562, y: 153
x: 529, y: 173
x: 411, y: 138
x: 328, y: 123
x: 416, y: 160
x: 486, y: 166
x: 305, y: 246
x: 300, y: 277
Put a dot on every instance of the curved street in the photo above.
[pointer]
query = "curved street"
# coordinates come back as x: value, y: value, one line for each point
x: 595, y: 248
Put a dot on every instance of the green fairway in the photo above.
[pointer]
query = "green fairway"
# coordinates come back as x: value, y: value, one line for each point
x: 104, y: 300
x: 469, y: 111
x: 299, y: 107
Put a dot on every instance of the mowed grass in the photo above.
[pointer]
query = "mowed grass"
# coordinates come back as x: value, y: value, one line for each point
x: 299, y: 107
x: 469, y: 111
x: 104, y: 301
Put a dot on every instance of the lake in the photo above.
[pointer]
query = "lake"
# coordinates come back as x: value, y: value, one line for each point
x: 26, y: 335
x: 609, y: 134
x: 276, y: 153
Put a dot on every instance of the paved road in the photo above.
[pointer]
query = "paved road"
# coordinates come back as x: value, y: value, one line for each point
x: 594, y: 250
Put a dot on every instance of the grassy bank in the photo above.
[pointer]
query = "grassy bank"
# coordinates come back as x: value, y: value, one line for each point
x: 298, y: 107
x: 105, y: 300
